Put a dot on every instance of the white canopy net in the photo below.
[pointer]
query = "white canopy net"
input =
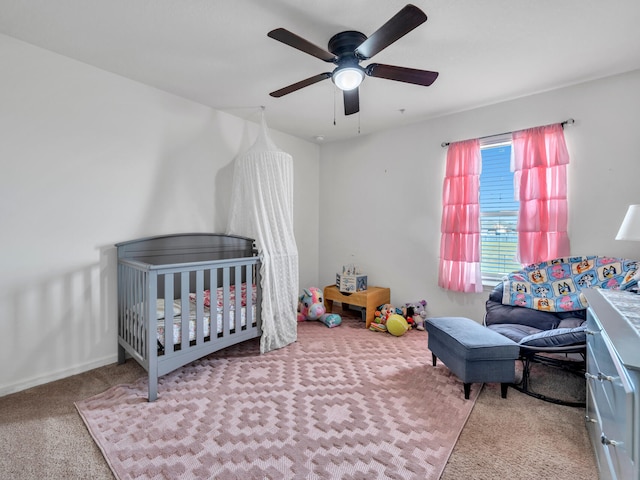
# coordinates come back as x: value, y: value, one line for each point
x: 262, y: 209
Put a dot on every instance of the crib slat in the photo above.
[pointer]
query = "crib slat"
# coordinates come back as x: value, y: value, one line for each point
x: 142, y: 320
x: 168, y: 313
x: 130, y: 313
x: 238, y: 303
x: 184, y: 305
x: 151, y: 294
x: 257, y: 282
x: 139, y: 319
x: 249, y: 303
x: 225, y: 302
x: 213, y: 304
x: 136, y: 300
x: 199, y: 307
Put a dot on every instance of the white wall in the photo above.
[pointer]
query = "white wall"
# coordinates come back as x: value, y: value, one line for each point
x: 382, y: 205
x: 89, y: 159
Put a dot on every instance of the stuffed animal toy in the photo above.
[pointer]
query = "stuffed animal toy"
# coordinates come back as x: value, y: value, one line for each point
x: 311, y: 307
x: 383, y: 313
x: 415, y: 313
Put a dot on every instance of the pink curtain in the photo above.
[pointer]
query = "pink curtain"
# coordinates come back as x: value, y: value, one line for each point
x: 460, y: 237
x: 539, y: 162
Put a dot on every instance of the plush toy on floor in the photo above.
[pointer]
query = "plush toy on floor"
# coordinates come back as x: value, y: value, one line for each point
x: 411, y: 315
x: 383, y: 313
x: 415, y: 313
x: 311, y: 307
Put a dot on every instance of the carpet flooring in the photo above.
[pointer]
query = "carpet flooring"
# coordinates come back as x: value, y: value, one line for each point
x: 339, y: 403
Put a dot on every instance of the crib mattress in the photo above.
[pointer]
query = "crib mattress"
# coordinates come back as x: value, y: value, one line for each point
x: 177, y: 323
x: 206, y: 319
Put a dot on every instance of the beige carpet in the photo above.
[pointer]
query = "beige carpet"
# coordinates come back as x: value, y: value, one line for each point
x: 339, y: 403
x: 524, y: 438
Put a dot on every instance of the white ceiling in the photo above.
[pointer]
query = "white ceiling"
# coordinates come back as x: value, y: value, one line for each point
x: 217, y: 53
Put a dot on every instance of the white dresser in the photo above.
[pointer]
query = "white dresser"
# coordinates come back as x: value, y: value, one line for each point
x: 613, y: 382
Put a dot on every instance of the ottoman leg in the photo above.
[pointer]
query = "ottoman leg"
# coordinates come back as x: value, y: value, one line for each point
x: 434, y: 359
x: 467, y: 390
x: 503, y: 389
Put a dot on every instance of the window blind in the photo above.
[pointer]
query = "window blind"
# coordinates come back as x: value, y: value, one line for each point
x: 498, y: 214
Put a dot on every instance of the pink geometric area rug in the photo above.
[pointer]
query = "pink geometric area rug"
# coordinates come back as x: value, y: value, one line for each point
x: 343, y: 402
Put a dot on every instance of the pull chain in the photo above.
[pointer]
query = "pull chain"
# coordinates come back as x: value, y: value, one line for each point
x: 335, y: 91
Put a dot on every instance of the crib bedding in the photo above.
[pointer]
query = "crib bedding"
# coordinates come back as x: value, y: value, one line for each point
x: 232, y: 296
x: 177, y: 312
x: 177, y: 322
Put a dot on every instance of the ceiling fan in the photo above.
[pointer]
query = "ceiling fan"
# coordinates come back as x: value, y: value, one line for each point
x: 347, y: 49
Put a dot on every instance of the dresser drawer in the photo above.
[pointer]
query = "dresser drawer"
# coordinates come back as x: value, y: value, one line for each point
x: 609, y: 406
x: 594, y: 423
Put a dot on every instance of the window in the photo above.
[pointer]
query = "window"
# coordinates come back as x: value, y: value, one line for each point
x: 498, y: 212
x: 532, y: 229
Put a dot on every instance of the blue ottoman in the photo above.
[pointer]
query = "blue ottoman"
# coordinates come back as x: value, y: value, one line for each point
x: 474, y: 353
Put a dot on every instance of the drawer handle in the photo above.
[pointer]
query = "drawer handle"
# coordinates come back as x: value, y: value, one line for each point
x: 600, y: 376
x: 591, y: 332
x: 608, y: 378
x: 588, y: 419
x: 605, y: 441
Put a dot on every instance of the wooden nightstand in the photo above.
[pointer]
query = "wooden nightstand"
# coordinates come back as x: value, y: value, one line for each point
x: 369, y: 299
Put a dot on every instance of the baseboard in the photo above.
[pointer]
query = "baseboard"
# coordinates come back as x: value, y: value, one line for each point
x: 53, y: 376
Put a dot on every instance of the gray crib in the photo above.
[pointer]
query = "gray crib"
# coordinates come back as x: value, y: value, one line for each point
x: 184, y: 296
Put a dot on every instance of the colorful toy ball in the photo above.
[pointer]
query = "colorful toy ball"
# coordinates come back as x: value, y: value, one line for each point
x: 397, y: 325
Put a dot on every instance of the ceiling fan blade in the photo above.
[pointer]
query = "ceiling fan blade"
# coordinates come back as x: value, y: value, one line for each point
x: 301, y: 84
x: 293, y: 40
x: 351, y: 101
x: 402, y: 74
x: 398, y: 26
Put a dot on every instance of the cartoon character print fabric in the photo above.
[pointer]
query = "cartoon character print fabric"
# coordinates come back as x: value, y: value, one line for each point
x: 557, y: 285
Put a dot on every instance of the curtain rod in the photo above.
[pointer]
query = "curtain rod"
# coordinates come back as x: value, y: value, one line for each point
x: 569, y: 121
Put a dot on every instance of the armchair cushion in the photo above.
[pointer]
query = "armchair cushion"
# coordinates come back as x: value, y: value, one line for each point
x: 558, y: 337
x: 514, y: 331
x: 534, y: 328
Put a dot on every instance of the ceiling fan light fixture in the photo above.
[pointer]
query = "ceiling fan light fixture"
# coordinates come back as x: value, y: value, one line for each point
x: 348, y: 48
x: 348, y: 78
